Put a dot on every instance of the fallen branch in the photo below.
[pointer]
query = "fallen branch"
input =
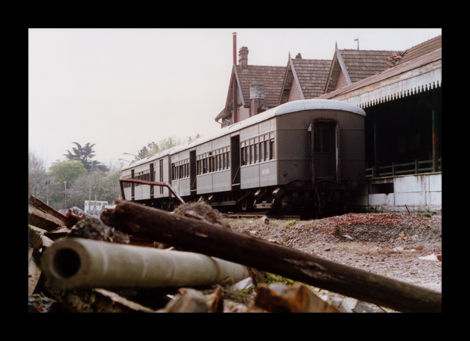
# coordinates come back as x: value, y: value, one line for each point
x: 203, y: 237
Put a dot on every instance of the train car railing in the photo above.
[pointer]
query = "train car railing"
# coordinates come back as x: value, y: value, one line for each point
x: 150, y: 183
x: 414, y: 167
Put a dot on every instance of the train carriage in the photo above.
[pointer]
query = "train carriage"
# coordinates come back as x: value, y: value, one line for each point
x: 306, y: 154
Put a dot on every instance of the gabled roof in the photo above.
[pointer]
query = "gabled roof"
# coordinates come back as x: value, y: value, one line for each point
x: 418, y: 56
x: 312, y: 75
x: 356, y: 65
x: 421, y: 49
x: 309, y: 74
x: 270, y: 76
x: 401, y: 68
x: 365, y: 63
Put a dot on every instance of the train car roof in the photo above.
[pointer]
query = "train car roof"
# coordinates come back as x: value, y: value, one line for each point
x: 286, y: 108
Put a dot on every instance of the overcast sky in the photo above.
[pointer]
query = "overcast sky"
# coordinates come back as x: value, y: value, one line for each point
x: 124, y: 88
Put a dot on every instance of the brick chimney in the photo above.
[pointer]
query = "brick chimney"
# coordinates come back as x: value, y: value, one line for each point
x: 243, y: 57
x: 256, y: 97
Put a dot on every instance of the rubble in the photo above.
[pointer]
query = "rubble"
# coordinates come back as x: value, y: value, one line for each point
x: 105, y: 268
x: 200, y: 236
x: 297, y: 298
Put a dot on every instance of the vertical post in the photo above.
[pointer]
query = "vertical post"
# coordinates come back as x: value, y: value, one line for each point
x: 234, y: 48
x: 65, y: 194
x: 434, y: 142
x: 375, y: 146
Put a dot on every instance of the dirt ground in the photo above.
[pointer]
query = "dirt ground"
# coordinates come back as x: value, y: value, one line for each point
x: 388, y: 244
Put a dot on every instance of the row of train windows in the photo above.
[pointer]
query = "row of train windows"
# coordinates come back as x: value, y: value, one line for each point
x: 180, y: 170
x: 145, y: 176
x: 257, y: 152
x: 208, y: 163
x: 251, y: 152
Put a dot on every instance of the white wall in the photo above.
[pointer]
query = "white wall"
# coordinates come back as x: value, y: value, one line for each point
x: 415, y: 192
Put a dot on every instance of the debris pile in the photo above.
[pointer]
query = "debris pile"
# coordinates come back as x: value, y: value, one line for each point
x: 135, y: 258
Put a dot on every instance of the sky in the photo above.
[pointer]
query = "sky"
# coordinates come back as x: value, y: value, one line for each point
x: 124, y: 88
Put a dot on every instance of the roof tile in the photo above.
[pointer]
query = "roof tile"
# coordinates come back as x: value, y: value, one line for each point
x: 270, y: 76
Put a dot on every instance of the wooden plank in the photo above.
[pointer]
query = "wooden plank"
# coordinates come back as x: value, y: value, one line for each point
x: 35, y: 202
x: 43, y: 219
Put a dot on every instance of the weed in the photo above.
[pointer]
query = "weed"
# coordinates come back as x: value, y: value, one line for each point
x: 272, y: 278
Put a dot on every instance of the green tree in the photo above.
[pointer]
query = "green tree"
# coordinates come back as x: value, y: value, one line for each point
x: 85, y: 154
x: 94, y: 186
x: 67, y: 170
x: 153, y: 148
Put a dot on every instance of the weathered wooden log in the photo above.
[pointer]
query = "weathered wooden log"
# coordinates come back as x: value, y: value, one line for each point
x: 85, y: 263
x: 200, y: 236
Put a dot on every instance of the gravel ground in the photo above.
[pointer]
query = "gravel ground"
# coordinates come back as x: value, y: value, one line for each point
x: 389, y: 244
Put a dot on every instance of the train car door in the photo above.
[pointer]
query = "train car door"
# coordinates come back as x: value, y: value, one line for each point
x: 152, y: 178
x: 235, y: 160
x: 132, y: 186
x: 325, y: 147
x: 192, y: 171
x: 160, y: 168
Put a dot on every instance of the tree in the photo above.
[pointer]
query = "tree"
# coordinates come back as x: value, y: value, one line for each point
x: 94, y: 185
x: 85, y: 154
x: 67, y: 170
x: 35, y: 162
x: 38, y: 179
x: 153, y: 148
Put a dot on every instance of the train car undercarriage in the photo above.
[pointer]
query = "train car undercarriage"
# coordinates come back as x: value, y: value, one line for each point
x: 308, y: 200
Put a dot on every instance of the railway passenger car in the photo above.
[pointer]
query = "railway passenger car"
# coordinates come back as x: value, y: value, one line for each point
x: 305, y: 156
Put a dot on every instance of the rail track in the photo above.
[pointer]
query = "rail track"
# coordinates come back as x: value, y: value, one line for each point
x: 260, y: 214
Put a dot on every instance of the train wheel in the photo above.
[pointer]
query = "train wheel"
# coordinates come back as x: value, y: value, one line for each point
x: 244, y: 204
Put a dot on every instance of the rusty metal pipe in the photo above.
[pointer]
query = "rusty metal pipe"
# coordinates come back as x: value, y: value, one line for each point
x: 151, y: 183
x: 83, y: 263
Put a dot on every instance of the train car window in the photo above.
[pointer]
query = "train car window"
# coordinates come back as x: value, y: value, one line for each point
x: 271, y: 149
x: 161, y: 176
x: 324, y: 137
x: 261, y: 151
x: 255, y: 153
x: 248, y: 155
x: 265, y: 143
